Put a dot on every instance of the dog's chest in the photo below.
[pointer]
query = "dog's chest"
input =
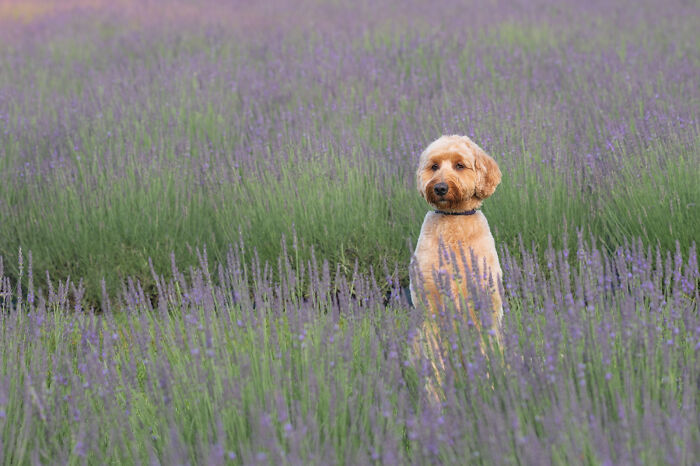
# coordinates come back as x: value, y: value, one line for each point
x: 453, y: 236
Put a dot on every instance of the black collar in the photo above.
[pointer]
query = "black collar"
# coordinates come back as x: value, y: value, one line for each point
x: 466, y: 212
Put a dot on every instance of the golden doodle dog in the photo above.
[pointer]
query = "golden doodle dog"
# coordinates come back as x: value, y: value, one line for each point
x: 455, y: 176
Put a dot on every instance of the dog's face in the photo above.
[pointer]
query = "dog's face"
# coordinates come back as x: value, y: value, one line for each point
x: 455, y: 174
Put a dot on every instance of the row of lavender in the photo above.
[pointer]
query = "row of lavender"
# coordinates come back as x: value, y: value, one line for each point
x: 601, y: 365
x: 74, y: 88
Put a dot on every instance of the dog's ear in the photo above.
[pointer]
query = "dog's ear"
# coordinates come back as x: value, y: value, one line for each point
x: 419, y: 174
x: 419, y: 181
x: 487, y: 171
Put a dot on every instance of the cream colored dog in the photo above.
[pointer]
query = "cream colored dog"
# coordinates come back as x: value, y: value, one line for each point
x: 455, y: 176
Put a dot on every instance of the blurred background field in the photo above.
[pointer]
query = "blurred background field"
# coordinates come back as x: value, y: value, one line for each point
x: 133, y: 131
x: 136, y: 135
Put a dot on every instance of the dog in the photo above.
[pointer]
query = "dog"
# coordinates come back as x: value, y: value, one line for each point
x: 454, y: 176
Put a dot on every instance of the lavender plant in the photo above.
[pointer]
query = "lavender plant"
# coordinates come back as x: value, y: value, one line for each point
x: 599, y: 365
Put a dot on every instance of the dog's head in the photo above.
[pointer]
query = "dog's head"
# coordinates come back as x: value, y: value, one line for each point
x: 455, y: 174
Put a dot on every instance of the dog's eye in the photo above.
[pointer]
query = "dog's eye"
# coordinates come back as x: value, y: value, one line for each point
x: 434, y: 167
x: 459, y: 166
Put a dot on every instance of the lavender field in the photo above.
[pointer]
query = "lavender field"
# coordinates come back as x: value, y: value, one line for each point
x: 207, y: 213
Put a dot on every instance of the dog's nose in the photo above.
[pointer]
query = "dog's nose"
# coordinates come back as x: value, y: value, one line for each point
x: 440, y: 189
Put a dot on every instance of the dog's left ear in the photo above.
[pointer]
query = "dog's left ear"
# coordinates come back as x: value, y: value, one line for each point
x: 488, y: 173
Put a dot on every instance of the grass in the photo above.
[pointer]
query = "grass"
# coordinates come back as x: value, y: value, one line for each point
x: 102, y: 229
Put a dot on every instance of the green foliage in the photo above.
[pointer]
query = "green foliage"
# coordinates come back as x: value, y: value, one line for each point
x: 109, y: 230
